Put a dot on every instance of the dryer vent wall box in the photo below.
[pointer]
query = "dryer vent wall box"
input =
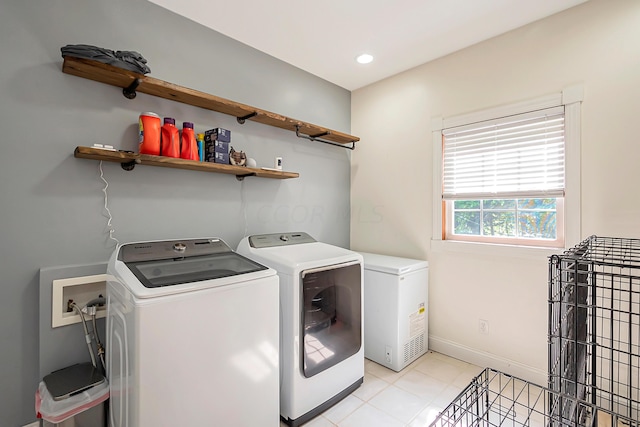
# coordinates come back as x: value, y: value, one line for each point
x: 395, y: 309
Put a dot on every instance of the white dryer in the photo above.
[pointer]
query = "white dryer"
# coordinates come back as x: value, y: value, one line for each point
x: 192, y: 336
x: 321, y: 334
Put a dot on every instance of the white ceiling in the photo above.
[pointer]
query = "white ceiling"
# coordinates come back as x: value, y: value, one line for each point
x: 323, y: 37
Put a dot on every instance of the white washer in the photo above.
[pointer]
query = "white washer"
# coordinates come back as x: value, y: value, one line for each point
x: 192, y: 336
x: 321, y: 352
x: 395, y: 309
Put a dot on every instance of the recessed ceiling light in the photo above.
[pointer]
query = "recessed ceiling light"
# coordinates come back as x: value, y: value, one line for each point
x: 365, y: 58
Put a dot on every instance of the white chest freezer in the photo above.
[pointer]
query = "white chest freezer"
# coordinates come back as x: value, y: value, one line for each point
x: 395, y: 309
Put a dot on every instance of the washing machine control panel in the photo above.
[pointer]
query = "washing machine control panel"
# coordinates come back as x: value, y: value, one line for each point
x: 147, y: 251
x: 279, y: 239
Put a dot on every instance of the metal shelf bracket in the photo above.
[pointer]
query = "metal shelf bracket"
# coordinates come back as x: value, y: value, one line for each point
x: 242, y: 177
x: 128, y: 166
x: 243, y: 119
x: 318, y: 138
x: 129, y: 92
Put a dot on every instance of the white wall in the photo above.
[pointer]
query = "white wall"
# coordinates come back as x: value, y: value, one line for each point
x: 594, y: 45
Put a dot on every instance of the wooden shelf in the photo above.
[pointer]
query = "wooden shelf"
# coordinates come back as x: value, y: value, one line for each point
x: 128, y: 160
x: 104, y: 73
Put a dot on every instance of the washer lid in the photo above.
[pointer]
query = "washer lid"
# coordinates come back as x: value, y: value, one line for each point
x: 176, y: 262
x: 176, y: 271
x: 391, y: 264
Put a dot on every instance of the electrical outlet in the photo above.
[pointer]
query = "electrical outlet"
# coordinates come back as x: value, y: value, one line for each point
x: 483, y: 327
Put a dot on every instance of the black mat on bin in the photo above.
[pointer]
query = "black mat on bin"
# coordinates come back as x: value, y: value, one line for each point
x: 72, y: 380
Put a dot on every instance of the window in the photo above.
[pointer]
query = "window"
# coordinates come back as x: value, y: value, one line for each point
x: 514, y: 221
x: 503, y: 178
x: 504, y: 175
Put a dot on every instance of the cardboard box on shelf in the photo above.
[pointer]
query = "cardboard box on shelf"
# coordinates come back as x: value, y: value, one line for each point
x: 220, y: 147
x: 221, y: 158
x: 216, y: 151
x: 217, y: 134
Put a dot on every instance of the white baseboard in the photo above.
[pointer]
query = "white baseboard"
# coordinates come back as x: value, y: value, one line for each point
x: 33, y: 424
x: 487, y: 360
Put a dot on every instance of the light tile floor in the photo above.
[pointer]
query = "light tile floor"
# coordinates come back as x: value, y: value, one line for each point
x: 409, y: 398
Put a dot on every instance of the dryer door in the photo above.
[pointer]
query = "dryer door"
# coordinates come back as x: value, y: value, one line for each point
x: 331, y: 322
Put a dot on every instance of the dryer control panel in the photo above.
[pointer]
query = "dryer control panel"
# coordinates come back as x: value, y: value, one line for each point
x: 279, y: 239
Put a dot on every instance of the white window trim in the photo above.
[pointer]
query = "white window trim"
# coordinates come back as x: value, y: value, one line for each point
x: 571, y: 98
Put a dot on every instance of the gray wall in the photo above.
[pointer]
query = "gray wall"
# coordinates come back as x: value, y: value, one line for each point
x: 52, y: 204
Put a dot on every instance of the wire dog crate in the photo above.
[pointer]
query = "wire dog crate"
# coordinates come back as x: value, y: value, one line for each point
x: 594, y: 324
x: 495, y: 399
x: 594, y: 350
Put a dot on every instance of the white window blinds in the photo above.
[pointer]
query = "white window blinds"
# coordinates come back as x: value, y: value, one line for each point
x: 509, y: 157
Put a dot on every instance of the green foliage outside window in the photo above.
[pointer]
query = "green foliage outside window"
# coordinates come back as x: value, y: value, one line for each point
x: 522, y: 218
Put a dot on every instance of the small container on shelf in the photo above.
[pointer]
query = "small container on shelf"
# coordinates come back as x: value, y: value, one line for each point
x: 200, y: 141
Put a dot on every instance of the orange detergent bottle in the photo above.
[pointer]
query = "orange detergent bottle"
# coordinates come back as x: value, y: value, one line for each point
x: 188, y: 146
x: 149, y: 133
x: 170, y: 138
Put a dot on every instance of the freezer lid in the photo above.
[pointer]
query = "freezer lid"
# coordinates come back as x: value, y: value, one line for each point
x: 391, y: 264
